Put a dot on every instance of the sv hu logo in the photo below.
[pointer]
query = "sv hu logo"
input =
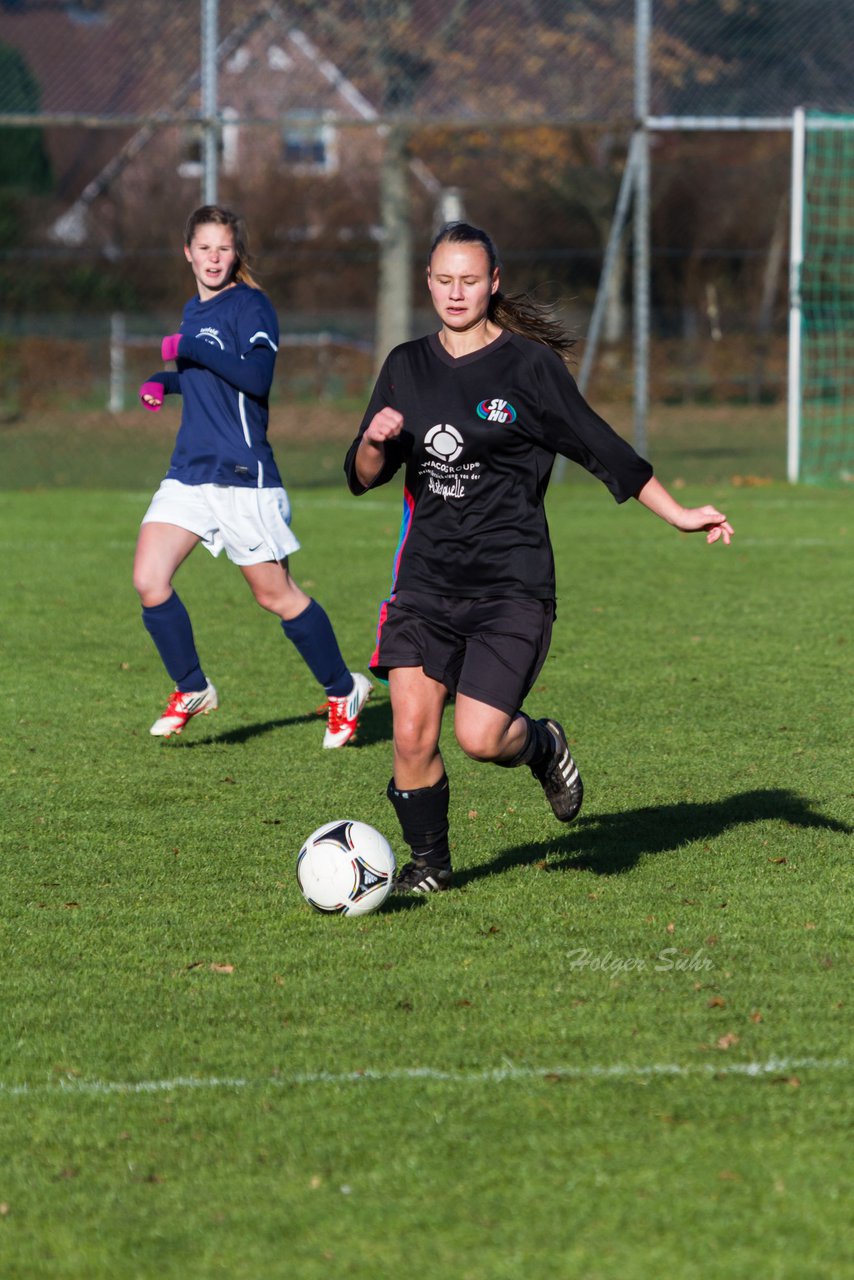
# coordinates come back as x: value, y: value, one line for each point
x: 496, y: 410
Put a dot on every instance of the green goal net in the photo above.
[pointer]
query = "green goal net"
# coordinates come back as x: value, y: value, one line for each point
x: 822, y: 417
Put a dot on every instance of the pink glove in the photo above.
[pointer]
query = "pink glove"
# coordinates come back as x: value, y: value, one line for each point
x: 169, y: 347
x: 155, y: 390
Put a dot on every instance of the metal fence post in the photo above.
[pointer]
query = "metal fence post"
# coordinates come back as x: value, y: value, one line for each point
x: 117, y: 362
x: 643, y: 29
x: 210, y: 123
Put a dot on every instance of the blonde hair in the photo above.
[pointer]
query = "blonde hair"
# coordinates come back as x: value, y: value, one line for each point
x: 220, y: 217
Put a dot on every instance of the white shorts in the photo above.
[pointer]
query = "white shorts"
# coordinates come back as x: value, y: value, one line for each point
x: 250, y: 525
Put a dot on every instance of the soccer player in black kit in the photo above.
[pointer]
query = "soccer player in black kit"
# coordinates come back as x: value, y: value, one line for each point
x: 476, y: 413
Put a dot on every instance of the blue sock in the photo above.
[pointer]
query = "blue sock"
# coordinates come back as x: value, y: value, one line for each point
x: 312, y: 635
x: 170, y: 628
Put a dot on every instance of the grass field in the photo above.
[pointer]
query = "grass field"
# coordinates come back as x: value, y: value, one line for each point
x: 620, y: 1049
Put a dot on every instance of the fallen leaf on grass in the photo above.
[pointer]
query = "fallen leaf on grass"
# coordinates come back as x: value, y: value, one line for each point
x: 717, y: 1002
x: 727, y: 1041
x: 750, y: 481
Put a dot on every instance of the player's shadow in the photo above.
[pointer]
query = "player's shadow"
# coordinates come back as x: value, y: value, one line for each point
x: 611, y: 843
x: 374, y: 726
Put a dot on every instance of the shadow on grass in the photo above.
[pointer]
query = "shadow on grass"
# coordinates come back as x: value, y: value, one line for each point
x: 403, y: 902
x: 611, y: 843
x: 374, y: 726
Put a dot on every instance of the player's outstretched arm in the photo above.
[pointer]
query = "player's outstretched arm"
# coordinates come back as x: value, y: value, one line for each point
x: 370, y: 456
x: 706, y: 519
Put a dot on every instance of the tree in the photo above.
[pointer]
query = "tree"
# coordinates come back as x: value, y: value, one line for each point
x: 24, y: 165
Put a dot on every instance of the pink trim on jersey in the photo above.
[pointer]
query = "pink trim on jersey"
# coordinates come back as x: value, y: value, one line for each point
x: 375, y: 656
x: 405, y: 528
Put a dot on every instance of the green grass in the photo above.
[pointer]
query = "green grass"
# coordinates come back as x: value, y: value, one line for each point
x: 93, y: 449
x: 620, y: 1049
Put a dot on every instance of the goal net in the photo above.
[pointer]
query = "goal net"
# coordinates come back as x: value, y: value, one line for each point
x: 821, y: 328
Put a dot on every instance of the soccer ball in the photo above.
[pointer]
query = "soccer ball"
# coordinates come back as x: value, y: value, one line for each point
x: 345, y: 868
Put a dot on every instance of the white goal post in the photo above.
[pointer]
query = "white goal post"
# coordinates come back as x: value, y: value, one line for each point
x: 820, y: 446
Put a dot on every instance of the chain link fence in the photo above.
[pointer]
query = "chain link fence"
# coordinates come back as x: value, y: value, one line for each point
x: 517, y: 114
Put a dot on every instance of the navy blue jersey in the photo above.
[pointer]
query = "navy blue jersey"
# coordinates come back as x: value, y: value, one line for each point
x: 478, y: 443
x: 225, y: 369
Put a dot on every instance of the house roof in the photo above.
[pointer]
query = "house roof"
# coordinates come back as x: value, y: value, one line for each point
x: 266, y: 69
x: 468, y: 61
x: 114, y: 63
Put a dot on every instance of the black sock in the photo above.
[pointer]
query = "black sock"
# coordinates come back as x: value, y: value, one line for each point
x: 538, y: 749
x: 423, y: 817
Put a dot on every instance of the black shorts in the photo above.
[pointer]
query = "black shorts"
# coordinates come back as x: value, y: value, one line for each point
x: 491, y: 650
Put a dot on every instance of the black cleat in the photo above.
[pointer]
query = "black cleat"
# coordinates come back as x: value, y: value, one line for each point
x: 559, y: 777
x: 418, y: 877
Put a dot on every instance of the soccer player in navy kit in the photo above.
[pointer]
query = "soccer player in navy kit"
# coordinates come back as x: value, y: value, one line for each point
x: 476, y: 413
x: 223, y: 487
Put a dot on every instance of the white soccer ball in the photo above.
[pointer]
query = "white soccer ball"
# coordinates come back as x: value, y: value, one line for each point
x: 345, y: 868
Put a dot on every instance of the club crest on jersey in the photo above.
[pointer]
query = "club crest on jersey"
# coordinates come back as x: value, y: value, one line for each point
x: 496, y: 410
x: 211, y: 336
x: 444, y: 441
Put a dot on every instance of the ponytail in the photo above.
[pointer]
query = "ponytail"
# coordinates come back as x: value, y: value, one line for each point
x: 522, y: 314
x: 518, y: 312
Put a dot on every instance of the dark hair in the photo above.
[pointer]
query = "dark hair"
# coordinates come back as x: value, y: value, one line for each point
x: 221, y: 217
x: 518, y: 312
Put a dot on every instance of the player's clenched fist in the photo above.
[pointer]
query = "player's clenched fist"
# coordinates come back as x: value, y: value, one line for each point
x: 384, y: 425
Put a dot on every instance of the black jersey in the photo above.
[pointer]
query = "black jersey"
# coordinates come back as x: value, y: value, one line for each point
x: 479, y: 439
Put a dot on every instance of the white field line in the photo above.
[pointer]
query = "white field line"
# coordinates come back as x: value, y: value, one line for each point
x: 494, y: 1075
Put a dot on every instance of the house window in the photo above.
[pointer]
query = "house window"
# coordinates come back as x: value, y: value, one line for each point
x: 309, y: 147
x: 190, y: 165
